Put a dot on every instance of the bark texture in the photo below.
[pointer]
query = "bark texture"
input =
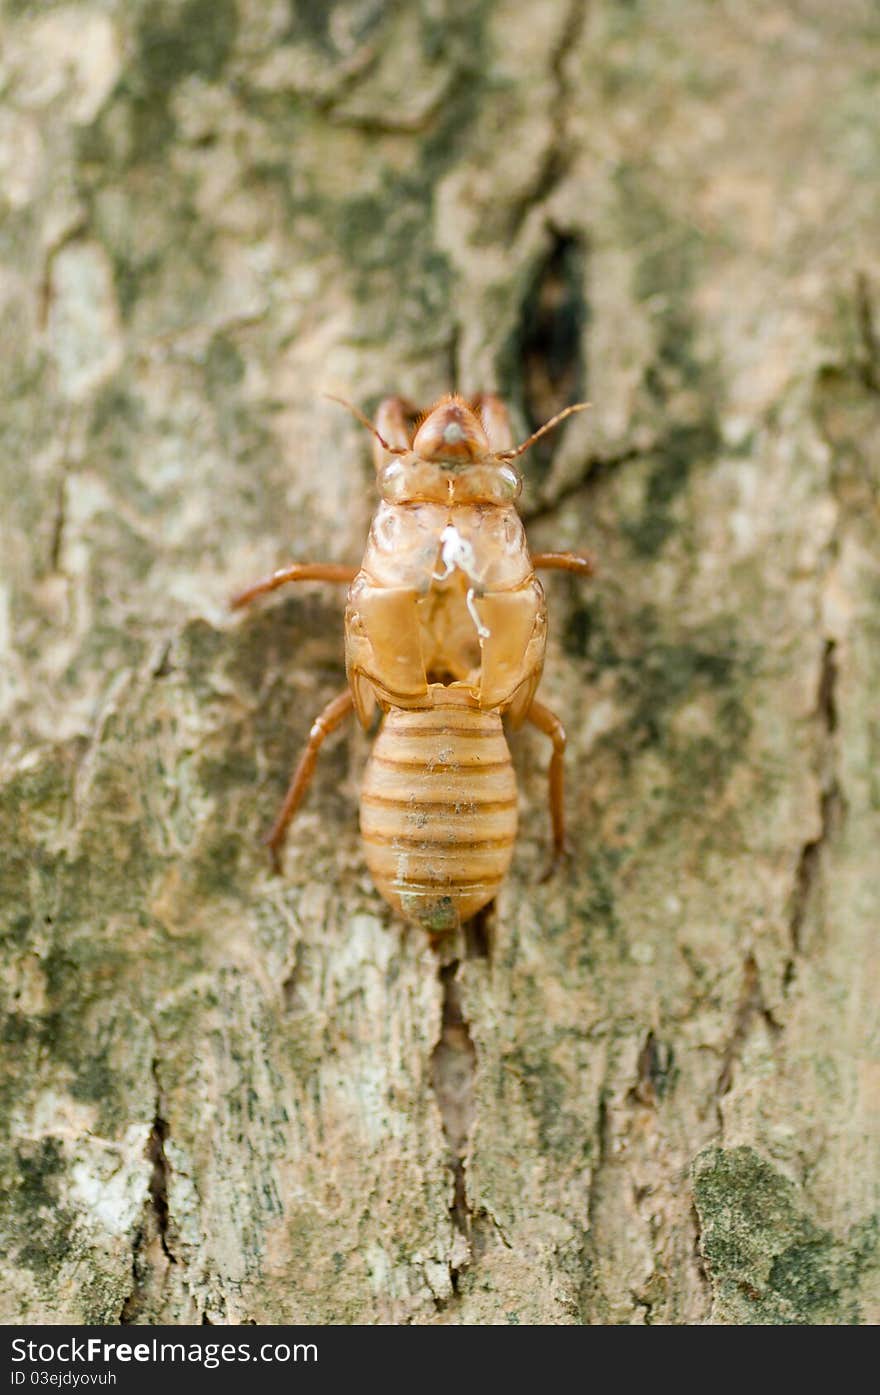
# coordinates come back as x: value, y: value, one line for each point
x: 646, y: 1091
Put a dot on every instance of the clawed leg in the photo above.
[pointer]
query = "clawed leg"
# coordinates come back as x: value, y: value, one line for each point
x: 565, y: 562
x: 547, y: 722
x: 332, y: 716
x: 297, y: 571
x: 395, y: 419
x: 496, y: 421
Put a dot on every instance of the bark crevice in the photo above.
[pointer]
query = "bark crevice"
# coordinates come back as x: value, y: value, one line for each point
x: 152, y: 1254
x: 596, y: 470
x: 750, y: 1009
x: 557, y: 155
x: 870, y: 365
x: 808, y: 873
x: 59, y: 522
x: 702, y: 1272
x: 453, y: 1072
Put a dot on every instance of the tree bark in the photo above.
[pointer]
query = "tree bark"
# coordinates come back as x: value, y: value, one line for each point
x: 647, y: 1090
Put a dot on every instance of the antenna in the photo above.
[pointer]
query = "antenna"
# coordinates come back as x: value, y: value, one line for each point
x: 365, y: 421
x: 542, y: 431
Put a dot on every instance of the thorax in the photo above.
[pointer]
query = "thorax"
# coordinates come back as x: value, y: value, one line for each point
x: 416, y: 545
x: 435, y: 521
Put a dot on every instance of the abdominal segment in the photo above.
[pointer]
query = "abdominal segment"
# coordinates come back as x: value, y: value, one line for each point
x: 438, y: 811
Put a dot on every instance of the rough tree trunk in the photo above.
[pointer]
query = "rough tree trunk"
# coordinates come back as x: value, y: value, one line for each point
x: 648, y: 1090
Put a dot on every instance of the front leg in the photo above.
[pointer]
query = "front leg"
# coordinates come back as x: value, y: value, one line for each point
x: 297, y: 571
x: 395, y: 419
x: 565, y: 562
x: 495, y: 418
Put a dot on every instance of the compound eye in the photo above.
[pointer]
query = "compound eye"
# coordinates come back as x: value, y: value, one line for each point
x: 512, y: 483
x: 392, y: 482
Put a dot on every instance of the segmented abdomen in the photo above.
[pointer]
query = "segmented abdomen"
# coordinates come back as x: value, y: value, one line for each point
x: 438, y: 812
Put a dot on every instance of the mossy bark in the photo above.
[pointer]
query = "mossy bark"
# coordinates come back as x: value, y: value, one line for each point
x: 647, y: 1090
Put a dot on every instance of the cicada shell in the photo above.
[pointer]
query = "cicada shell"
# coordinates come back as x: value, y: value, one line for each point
x: 445, y: 635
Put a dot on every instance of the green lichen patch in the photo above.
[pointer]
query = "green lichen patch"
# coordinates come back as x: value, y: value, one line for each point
x: 546, y: 1090
x: 197, y: 653
x: 588, y: 634
x: 385, y: 234
x: 708, y: 663
x: 174, y: 40
x: 683, y: 449
x: 217, y: 867
x: 37, y: 1227
x: 668, y: 247
x: 682, y: 380
x: 224, y: 366
x: 32, y: 802
x: 657, y: 682
x: 597, y: 906
x: 387, y: 230
x: 767, y: 1260
x: 846, y: 408
x: 312, y: 21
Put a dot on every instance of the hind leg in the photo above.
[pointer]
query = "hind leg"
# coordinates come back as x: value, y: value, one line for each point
x: 333, y: 715
x: 547, y: 722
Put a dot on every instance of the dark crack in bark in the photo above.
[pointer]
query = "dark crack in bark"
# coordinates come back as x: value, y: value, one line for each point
x: 598, y: 1165
x: 591, y: 1298
x: 544, y: 356
x: 557, y: 156
x: 751, y: 1008
x: 163, y: 665
x: 826, y: 703
x: 549, y: 340
x: 808, y: 875
x: 479, y: 934
x: 151, y: 1250
x: 58, y: 523
x: 644, y: 1305
x: 699, y: 1260
x: 655, y: 1068
x: 453, y: 357
x: 69, y: 429
x: 68, y: 235
x: 596, y: 469
x: 291, y: 995
x: 158, y: 1188
x: 870, y: 361
x: 453, y: 1068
